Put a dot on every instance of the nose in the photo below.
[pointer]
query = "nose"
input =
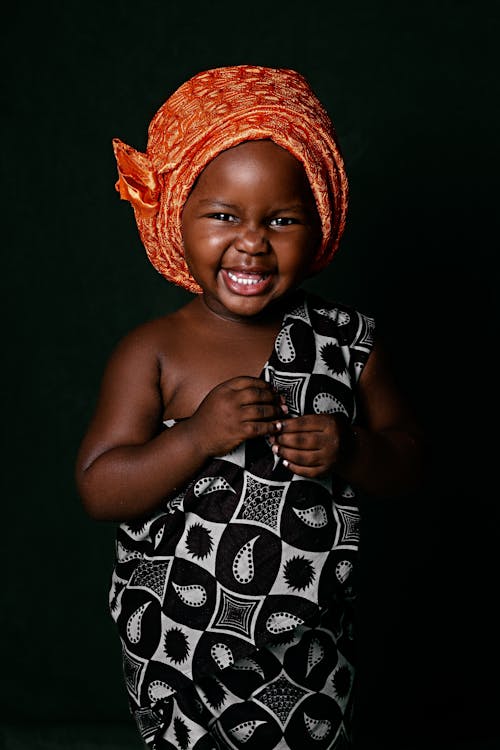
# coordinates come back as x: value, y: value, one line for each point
x: 253, y: 241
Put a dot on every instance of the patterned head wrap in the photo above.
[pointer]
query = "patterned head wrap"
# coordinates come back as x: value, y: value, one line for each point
x: 212, y: 112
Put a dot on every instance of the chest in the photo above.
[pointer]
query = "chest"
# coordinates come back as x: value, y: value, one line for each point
x: 201, y: 360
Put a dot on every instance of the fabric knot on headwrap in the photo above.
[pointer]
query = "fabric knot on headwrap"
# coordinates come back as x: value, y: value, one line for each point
x: 212, y: 112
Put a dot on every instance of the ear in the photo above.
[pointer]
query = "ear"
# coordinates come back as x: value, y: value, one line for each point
x: 137, y: 180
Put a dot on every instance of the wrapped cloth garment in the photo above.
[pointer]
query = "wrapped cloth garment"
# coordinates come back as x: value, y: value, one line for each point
x: 212, y: 112
x: 248, y: 552
x: 296, y: 695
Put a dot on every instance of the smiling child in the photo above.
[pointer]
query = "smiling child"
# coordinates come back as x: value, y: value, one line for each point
x: 231, y: 435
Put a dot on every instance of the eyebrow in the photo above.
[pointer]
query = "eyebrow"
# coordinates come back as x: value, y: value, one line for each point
x: 222, y: 204
x: 215, y: 202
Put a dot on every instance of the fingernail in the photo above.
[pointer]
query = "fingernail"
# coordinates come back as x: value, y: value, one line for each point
x: 278, y: 425
x: 284, y: 408
x: 275, y: 448
x: 285, y: 463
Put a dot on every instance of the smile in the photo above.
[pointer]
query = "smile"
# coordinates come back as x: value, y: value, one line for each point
x: 247, y: 279
x: 247, y: 283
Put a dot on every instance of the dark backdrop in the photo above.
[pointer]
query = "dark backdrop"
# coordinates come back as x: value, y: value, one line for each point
x: 412, y: 89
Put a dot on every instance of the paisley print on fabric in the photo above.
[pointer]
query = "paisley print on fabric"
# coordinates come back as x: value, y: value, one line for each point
x: 248, y: 552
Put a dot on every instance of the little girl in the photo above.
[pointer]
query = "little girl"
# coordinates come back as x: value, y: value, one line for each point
x: 230, y: 434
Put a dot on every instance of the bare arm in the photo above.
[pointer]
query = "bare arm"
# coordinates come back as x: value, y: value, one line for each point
x: 127, y: 465
x: 387, y: 451
x: 382, y: 455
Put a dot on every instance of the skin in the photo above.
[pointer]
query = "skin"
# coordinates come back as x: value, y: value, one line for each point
x: 250, y: 217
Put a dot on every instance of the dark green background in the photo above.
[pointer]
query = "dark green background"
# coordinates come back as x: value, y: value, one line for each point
x: 413, y: 91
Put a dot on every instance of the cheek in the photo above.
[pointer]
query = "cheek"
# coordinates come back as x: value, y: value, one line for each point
x: 303, y: 253
x: 306, y: 261
x: 202, y: 249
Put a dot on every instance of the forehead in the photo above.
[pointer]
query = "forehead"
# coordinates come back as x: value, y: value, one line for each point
x: 254, y: 162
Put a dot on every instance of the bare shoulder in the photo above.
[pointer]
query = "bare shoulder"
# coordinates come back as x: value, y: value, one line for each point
x: 383, y: 405
x: 130, y: 405
x: 136, y: 363
x: 150, y: 339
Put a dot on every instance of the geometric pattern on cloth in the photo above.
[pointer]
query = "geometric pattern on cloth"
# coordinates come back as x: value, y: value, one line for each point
x: 133, y: 671
x: 152, y: 576
x: 348, y: 527
x: 292, y: 386
x: 247, y: 552
x: 148, y: 722
x: 281, y: 696
x: 235, y: 614
x: 261, y: 502
x: 281, y: 699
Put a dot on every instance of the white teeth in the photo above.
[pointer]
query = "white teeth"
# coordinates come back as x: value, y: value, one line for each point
x: 247, y: 282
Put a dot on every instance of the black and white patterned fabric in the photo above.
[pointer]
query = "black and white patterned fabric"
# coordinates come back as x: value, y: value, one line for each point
x: 248, y: 552
x: 296, y: 695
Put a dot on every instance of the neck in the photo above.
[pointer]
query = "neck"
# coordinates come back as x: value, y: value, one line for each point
x: 271, y: 316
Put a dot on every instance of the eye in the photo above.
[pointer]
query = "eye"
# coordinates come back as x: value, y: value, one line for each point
x: 282, y: 221
x: 222, y: 217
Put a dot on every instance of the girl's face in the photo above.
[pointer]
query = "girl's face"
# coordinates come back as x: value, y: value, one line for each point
x: 250, y: 228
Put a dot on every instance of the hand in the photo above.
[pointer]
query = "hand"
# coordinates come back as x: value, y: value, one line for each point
x: 314, y: 445
x: 234, y: 411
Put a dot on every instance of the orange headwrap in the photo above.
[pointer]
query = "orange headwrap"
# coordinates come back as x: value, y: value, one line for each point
x: 213, y: 111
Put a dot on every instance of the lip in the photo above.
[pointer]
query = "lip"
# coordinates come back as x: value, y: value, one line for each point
x: 247, y: 287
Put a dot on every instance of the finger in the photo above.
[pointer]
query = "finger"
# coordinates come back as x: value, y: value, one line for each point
x: 299, y: 440
x: 299, y: 458
x: 261, y: 429
x: 256, y: 395
x: 245, y: 381
x: 307, y: 423
x: 282, y: 402
x: 309, y: 472
x: 260, y: 412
